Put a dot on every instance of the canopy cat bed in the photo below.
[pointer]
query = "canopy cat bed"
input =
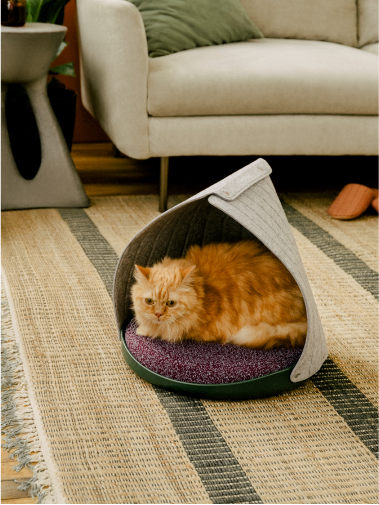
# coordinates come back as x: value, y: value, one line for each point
x: 240, y: 206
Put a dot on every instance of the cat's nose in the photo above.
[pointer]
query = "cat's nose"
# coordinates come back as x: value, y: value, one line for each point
x: 158, y: 315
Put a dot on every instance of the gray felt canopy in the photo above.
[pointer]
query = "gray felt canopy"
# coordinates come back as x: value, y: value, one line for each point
x: 243, y: 205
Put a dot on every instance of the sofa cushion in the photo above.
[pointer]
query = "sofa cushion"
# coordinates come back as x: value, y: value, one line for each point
x: 367, y: 22
x: 371, y: 48
x: 176, y: 25
x: 330, y: 20
x: 264, y: 76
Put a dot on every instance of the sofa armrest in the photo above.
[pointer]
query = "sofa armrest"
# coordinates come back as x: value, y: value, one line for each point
x: 114, y: 69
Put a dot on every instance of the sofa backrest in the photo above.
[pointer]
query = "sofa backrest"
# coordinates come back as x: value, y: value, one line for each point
x: 367, y: 22
x: 329, y: 20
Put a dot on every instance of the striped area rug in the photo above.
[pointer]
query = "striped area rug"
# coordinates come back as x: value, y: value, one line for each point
x: 100, y: 434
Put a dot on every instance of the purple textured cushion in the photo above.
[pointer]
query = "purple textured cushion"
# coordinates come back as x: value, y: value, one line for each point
x: 206, y: 362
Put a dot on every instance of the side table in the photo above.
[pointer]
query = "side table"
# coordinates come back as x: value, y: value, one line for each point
x: 26, y: 55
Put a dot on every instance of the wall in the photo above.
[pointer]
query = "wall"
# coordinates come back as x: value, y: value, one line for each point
x: 86, y: 127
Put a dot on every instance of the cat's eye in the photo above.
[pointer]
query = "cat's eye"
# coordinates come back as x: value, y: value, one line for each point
x: 171, y: 303
x: 149, y: 301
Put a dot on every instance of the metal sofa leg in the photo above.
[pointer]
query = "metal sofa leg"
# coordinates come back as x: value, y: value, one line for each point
x: 163, y: 184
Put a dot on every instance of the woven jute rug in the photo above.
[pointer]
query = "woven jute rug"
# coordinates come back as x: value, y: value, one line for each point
x: 100, y: 434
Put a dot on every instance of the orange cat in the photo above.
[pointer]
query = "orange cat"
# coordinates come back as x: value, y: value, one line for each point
x: 237, y: 293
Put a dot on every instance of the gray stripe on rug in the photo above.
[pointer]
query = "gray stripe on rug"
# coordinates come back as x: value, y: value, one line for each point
x: 220, y: 472
x: 351, y: 404
x: 357, y: 411
x: 336, y: 251
x: 222, y: 476
x: 96, y: 248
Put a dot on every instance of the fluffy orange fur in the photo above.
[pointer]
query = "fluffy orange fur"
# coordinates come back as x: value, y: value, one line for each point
x: 236, y: 293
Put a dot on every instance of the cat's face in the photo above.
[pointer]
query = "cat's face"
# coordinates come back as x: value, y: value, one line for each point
x: 164, y: 294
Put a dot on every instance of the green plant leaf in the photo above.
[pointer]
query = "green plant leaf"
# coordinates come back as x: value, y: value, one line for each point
x: 60, y: 49
x: 52, y: 9
x: 33, y: 8
x: 65, y: 69
x: 45, y: 11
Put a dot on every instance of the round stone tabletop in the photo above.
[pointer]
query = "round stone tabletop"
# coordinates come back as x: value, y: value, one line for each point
x: 27, y: 51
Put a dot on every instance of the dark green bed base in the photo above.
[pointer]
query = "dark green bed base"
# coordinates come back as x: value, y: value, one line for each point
x: 268, y: 385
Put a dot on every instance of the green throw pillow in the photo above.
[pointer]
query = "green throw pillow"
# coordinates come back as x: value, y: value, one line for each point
x: 176, y: 25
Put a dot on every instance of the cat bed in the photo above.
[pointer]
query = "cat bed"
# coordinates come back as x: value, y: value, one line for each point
x: 242, y: 206
x: 209, y: 369
x: 206, y: 362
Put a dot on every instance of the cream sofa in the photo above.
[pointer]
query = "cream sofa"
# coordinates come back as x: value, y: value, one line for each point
x: 310, y: 87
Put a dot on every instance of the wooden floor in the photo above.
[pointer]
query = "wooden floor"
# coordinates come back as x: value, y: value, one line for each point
x: 103, y: 174
x: 9, y: 491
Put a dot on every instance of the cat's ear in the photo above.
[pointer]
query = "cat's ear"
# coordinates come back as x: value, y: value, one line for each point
x: 141, y: 273
x: 187, y: 271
